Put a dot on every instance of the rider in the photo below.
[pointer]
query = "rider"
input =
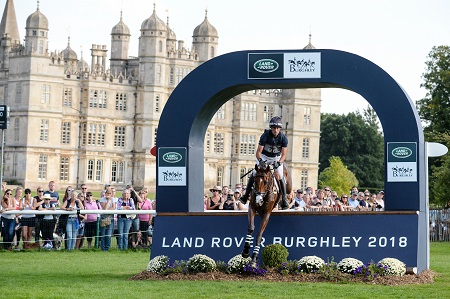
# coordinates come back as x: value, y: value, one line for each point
x: 272, y: 147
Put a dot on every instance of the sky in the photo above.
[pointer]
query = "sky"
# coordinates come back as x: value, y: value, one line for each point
x: 395, y: 35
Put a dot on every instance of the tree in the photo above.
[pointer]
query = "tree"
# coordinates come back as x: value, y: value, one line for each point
x: 434, y: 111
x: 337, y: 176
x: 356, y: 140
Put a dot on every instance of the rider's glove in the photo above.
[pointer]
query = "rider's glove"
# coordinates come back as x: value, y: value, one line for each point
x: 276, y: 164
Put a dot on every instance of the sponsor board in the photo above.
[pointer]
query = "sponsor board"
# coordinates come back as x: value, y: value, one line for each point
x: 172, y: 166
x: 284, y: 65
x: 402, y: 162
x: 181, y: 237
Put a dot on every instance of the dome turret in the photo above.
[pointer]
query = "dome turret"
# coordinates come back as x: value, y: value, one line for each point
x: 68, y: 54
x: 154, y: 22
x: 121, y: 28
x: 309, y: 46
x: 37, y: 20
x: 205, y: 28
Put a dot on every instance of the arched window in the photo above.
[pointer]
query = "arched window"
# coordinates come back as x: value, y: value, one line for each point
x: 212, y: 52
x: 220, y: 176
x: 160, y: 46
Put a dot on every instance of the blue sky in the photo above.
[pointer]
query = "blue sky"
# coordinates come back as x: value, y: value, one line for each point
x: 396, y: 35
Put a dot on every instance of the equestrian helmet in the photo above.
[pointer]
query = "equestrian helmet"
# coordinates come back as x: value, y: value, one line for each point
x: 275, y: 122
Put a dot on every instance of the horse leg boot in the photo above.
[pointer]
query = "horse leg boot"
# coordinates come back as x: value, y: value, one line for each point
x: 244, y: 198
x: 284, y: 204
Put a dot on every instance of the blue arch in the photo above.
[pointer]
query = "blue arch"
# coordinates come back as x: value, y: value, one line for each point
x: 191, y: 106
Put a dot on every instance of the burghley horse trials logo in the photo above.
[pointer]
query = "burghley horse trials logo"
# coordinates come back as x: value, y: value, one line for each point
x: 401, y: 152
x: 266, y: 65
x: 172, y: 157
x: 301, y: 65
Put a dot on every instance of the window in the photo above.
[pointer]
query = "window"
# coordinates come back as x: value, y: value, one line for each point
x: 247, y: 144
x: 220, y: 114
x: 179, y: 74
x: 83, y: 137
x: 42, y: 172
x: 158, y: 73
x: 16, y: 129
x: 121, y: 101
x: 155, y: 134
x: 64, y: 169
x: 220, y: 176
x: 252, y: 112
x: 160, y: 46
x: 244, y: 144
x: 90, y: 170
x: 18, y: 92
x: 307, y: 115
x: 304, y: 179
x: 34, y: 32
x: 101, y: 132
x: 212, y: 52
x: 93, y: 98
x: 102, y: 99
x: 243, y: 177
x: 157, y: 103
x: 65, y: 133
x: 119, y: 137
x: 248, y: 111
x: 99, y: 171
x: 252, y: 144
x: 268, y: 113
x: 6, y: 95
x: 44, y: 130
x: 41, y: 47
x: 67, y: 97
x: 14, y: 165
x: 45, y: 98
x: 92, y: 134
x: 171, y: 76
x: 95, y: 134
x: 305, y: 148
x: 117, y: 171
x: 218, y: 143
x: 208, y: 142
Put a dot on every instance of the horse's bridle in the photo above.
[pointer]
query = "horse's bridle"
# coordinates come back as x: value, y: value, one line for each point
x: 266, y: 184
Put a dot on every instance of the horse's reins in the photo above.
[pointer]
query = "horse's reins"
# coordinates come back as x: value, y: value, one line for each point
x: 271, y: 179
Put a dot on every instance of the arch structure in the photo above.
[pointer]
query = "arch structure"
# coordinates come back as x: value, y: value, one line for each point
x: 190, y: 108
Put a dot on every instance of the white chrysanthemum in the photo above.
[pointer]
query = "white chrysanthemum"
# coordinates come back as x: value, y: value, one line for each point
x: 158, y: 264
x: 201, y: 263
x: 237, y: 263
x: 348, y: 265
x: 310, y: 263
x: 394, y: 266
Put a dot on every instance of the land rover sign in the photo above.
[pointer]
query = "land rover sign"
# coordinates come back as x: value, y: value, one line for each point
x: 172, y: 166
x: 402, y: 162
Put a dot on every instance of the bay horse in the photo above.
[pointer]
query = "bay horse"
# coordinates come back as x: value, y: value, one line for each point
x: 264, y: 197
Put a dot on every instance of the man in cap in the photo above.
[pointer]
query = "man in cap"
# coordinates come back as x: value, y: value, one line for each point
x: 272, y: 148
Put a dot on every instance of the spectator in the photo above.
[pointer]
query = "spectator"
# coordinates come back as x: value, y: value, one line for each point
x: 216, y: 200
x: 107, y: 221
x: 240, y: 206
x: 354, y: 190
x: 73, y: 220
x: 48, y: 221
x: 327, y: 196
x: 205, y: 202
x: 290, y: 200
x: 53, y: 193
x: 372, y: 203
x: 226, y: 193
x: 229, y: 202
x: 136, y: 199
x: 8, y: 220
x: 353, y: 202
x: 380, y: 201
x: 343, y: 204
x: 90, y: 223
x: 334, y: 197
x: 82, y: 218
x: 38, y: 201
x: 304, y: 202
x: 298, y: 197
x: 362, y: 201
x: 238, y: 186
x: 17, y: 199
x: 62, y: 219
x: 145, y: 220
x: 84, y: 190
x: 321, y: 198
x: 124, y: 221
x: 28, y: 220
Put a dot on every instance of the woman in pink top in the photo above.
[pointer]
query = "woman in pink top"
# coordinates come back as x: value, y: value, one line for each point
x: 145, y: 220
x: 90, y: 224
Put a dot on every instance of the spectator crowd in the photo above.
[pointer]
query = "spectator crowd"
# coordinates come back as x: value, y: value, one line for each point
x: 74, y: 230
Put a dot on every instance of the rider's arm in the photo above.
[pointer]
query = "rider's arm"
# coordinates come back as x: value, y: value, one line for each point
x: 259, y: 152
x: 283, y: 154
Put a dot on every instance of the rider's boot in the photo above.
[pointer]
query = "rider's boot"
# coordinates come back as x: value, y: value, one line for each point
x: 244, y: 198
x: 284, y: 204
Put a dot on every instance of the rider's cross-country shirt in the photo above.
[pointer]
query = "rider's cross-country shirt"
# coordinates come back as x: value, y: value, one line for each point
x: 272, y: 145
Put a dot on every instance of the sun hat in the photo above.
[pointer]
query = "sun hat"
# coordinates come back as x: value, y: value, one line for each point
x: 216, y: 188
x: 47, y: 196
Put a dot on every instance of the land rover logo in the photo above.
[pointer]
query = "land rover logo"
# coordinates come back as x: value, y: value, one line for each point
x: 401, y: 152
x: 172, y: 157
x: 266, y: 65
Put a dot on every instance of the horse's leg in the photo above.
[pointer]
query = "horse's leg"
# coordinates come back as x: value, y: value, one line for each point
x: 251, y: 227
x: 262, y: 228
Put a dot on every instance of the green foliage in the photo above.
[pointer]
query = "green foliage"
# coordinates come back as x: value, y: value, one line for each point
x: 356, y: 140
x: 310, y: 264
x: 337, y: 176
x: 274, y: 254
x: 289, y: 268
x: 330, y: 272
x: 434, y: 111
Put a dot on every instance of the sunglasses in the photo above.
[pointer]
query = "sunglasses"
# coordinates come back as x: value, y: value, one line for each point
x: 83, y: 188
x: 40, y: 190
x: 327, y: 189
x: 8, y: 193
x: 344, y: 197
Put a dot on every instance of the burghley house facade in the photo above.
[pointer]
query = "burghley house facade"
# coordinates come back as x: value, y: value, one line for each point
x: 75, y: 122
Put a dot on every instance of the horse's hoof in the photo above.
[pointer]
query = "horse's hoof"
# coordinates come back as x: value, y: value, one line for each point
x: 253, y: 265
x: 245, y: 254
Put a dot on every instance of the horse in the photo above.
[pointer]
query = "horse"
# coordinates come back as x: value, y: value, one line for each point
x: 264, y: 197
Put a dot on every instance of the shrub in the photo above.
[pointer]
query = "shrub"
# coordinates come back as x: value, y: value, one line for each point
x: 158, y: 264
x: 349, y: 265
x: 289, y: 267
x: 370, y: 271
x: 310, y: 264
x: 257, y: 271
x: 237, y: 263
x: 394, y: 266
x: 175, y: 267
x: 201, y: 263
x: 274, y: 255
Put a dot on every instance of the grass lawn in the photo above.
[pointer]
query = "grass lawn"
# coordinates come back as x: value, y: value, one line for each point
x: 96, y: 274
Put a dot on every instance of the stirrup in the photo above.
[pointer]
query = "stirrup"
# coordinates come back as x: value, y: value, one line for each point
x: 284, y: 204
